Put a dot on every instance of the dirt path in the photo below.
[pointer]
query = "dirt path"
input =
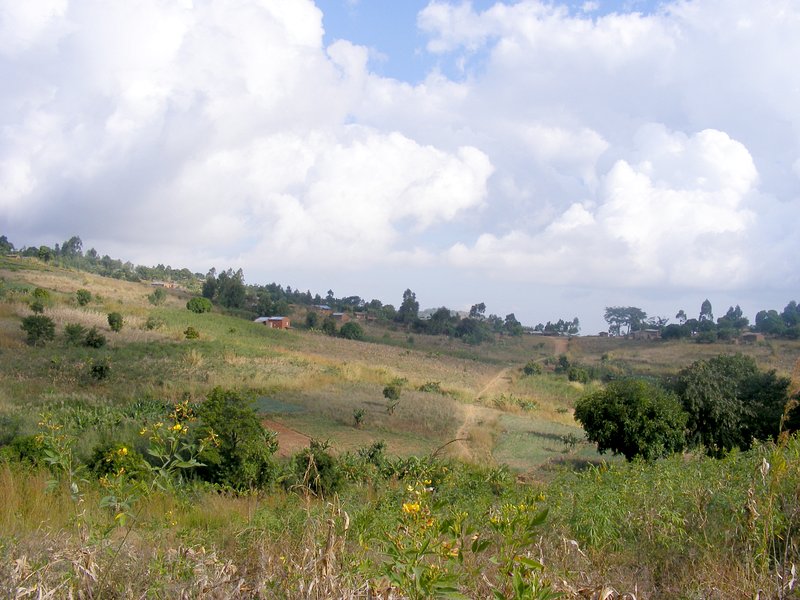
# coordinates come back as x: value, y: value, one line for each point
x: 560, y: 345
x: 289, y: 440
x: 474, y: 438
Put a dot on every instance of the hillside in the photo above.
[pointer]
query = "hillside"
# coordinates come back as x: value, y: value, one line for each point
x: 467, y: 418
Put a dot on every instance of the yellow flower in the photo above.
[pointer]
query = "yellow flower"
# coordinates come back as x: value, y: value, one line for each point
x: 123, y: 451
x: 411, y: 507
x: 177, y: 427
x: 143, y: 431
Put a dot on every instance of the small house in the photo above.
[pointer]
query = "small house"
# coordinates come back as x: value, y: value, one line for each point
x: 274, y: 322
x: 751, y: 338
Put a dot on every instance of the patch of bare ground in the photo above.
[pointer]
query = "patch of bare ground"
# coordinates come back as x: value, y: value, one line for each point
x: 289, y: 440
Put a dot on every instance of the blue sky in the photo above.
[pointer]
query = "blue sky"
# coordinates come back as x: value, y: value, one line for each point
x: 546, y: 160
x: 389, y: 28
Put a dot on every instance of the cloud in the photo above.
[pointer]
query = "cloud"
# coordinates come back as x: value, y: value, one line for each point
x: 677, y: 217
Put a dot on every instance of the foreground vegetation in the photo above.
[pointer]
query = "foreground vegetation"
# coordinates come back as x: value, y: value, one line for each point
x: 135, y: 461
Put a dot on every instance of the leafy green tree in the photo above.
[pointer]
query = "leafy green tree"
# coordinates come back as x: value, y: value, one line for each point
x: 770, y: 322
x: 409, y: 308
x: 316, y: 470
x: 329, y: 325
x: 199, y: 305
x: 633, y: 418
x: 630, y: 317
x: 115, y: 321
x: 39, y: 328
x: 45, y: 253
x: 511, y: 326
x: 72, y: 248
x: 730, y: 402
x: 241, y: 457
x: 477, y: 311
x: 681, y: 316
x: 352, y: 331
x: 6, y: 247
x: 312, y: 319
x: 532, y: 368
x: 83, y: 297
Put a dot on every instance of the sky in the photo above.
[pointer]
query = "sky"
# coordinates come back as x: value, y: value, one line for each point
x: 546, y: 158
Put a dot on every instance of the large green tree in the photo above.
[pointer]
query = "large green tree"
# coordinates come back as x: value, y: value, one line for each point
x: 730, y: 402
x: 629, y: 317
x: 633, y: 418
x: 409, y: 308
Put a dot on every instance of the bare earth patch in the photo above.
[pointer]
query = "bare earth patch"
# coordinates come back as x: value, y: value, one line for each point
x: 289, y: 440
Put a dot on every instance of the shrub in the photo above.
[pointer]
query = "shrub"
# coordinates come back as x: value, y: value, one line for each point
x: 575, y: 373
x: 633, y: 418
x: 312, y: 319
x: 352, y: 331
x: 41, y: 294
x: 316, y: 470
x: 83, y: 297
x: 433, y: 387
x: 153, y: 323
x: 37, y: 307
x: 115, y: 321
x: 40, y: 329
x: 94, y: 339
x: 74, y: 334
x: 199, y: 305
x: 100, y: 369
x: 191, y: 333
x: 109, y: 457
x: 241, y: 458
x: 532, y: 368
x: 329, y: 325
x: 157, y: 297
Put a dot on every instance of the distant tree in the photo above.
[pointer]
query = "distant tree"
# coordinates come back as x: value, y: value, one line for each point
x: 706, y: 313
x: 329, y: 325
x: 72, y: 248
x: 630, y: 317
x: 733, y: 319
x: 681, y: 316
x: 409, y: 308
x: 45, y: 253
x: 83, y: 297
x: 352, y: 331
x: 230, y: 290
x: 730, y: 402
x: 511, y: 326
x: 633, y: 418
x: 210, y: 284
x: 6, y: 247
x: 388, y: 312
x: 477, y: 311
x: 199, y: 305
x: 39, y: 328
x: 115, y: 321
x: 312, y: 319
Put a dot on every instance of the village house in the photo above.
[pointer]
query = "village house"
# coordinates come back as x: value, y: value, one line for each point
x: 274, y: 322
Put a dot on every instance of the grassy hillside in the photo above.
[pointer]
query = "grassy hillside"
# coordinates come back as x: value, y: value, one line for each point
x: 474, y: 451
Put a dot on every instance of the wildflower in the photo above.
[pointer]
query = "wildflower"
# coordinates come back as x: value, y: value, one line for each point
x: 143, y: 431
x: 177, y: 427
x: 411, y: 507
x: 123, y: 451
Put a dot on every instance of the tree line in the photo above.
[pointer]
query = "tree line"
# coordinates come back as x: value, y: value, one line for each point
x: 625, y: 320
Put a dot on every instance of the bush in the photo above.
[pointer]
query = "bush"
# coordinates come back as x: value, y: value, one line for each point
x: 191, y: 333
x: 115, y: 321
x: 199, y: 305
x: 575, y: 373
x: 37, y: 307
x: 40, y: 329
x: 74, y: 333
x: 94, y: 339
x: 316, y: 470
x: 109, y: 457
x: 99, y: 370
x: 312, y: 319
x: 633, y: 418
x: 153, y: 323
x: 329, y: 325
x: 242, y: 456
x: 83, y: 297
x: 532, y: 368
x: 41, y: 294
x: 157, y: 297
x: 352, y: 331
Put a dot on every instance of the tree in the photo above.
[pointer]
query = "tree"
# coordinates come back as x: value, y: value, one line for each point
x: 312, y: 319
x: 40, y: 329
x: 730, y: 402
x: 157, y: 297
x: 199, y: 305
x: 329, y: 325
x: 477, y: 311
x: 409, y: 308
x: 511, y: 326
x: 242, y: 455
x: 633, y: 418
x: 115, y: 321
x: 706, y: 314
x: 352, y: 331
x: 6, y: 247
x: 618, y: 317
x: 72, y: 248
x: 681, y: 316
